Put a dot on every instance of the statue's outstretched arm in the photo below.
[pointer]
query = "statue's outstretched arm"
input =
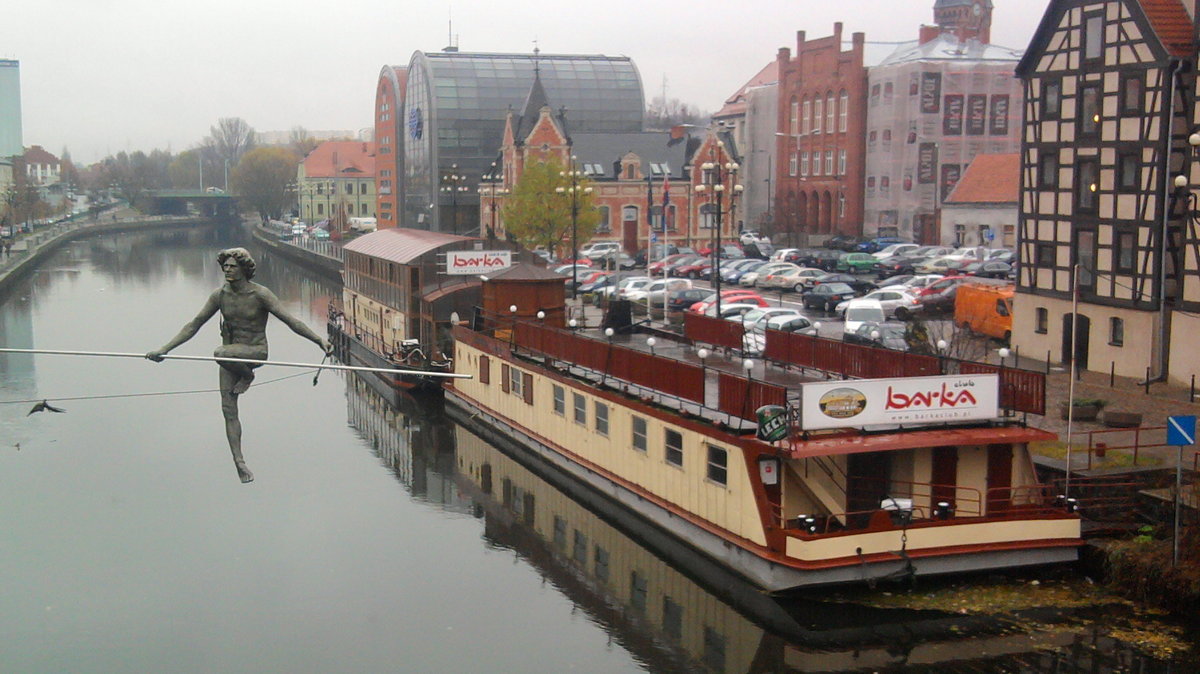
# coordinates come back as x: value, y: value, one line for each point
x: 273, y: 305
x: 189, y: 329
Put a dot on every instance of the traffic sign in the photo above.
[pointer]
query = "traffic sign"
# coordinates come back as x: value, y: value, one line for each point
x: 991, y: 236
x: 653, y: 237
x: 1181, y: 430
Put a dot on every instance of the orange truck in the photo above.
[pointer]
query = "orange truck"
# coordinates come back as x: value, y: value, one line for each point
x: 985, y: 309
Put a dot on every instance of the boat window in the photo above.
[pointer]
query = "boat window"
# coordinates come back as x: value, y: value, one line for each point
x: 601, y: 564
x: 580, y: 548
x: 639, y: 588
x: 560, y: 401
x: 601, y: 418
x: 718, y: 465
x: 672, y: 619
x: 514, y: 381
x: 580, y: 409
x: 639, y: 434
x: 674, y: 443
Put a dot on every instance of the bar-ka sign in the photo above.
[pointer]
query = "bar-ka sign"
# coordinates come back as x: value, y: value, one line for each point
x: 910, y: 401
x: 477, y: 261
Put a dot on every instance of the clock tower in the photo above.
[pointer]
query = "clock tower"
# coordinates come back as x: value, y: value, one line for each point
x: 967, y: 18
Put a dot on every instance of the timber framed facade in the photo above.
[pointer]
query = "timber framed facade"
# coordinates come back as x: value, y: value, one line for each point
x: 1109, y: 89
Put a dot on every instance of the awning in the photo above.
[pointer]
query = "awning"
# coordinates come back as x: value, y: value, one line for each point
x: 941, y: 437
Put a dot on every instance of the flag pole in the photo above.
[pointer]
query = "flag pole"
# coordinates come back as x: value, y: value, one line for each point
x: 321, y: 366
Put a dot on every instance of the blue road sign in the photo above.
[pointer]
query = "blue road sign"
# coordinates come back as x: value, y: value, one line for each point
x: 653, y: 237
x: 1181, y: 430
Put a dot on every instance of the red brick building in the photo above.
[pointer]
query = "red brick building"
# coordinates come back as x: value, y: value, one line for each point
x: 389, y: 153
x: 821, y: 137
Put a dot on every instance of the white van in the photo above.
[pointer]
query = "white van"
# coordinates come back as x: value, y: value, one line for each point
x: 362, y: 224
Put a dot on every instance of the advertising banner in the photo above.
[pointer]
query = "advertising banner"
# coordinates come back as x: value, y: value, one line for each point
x: 952, y: 117
x: 931, y: 92
x: 976, y: 114
x: 477, y: 261
x: 927, y: 156
x: 912, y: 401
x: 950, y: 175
x: 998, y: 124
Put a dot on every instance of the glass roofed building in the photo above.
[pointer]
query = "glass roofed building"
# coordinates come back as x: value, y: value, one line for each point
x: 455, y: 105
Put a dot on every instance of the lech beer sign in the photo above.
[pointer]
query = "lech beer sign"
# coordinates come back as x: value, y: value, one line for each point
x: 772, y: 423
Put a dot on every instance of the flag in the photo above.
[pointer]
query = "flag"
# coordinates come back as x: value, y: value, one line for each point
x: 649, y: 204
x: 666, y: 201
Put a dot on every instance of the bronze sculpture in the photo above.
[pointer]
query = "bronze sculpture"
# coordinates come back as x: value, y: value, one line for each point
x: 244, y: 307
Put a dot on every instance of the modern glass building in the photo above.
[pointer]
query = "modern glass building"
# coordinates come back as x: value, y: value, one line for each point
x: 10, y: 108
x: 454, y: 110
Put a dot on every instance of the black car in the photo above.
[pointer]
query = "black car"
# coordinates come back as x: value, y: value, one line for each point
x: 886, y: 335
x: 595, y: 286
x: 844, y: 242
x: 759, y: 250
x: 895, y: 265
x: 859, y: 285
x: 827, y: 296
x: 680, y: 300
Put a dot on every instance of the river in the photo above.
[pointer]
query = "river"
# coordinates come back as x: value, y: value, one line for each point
x: 373, y: 538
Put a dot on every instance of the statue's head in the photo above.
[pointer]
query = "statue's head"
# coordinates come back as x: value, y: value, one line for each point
x: 242, y: 257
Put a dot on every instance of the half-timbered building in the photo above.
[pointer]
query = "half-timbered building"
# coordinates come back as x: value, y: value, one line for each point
x: 1107, y: 86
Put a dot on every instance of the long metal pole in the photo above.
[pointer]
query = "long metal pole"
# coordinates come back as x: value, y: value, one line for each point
x: 1071, y: 372
x: 322, y: 366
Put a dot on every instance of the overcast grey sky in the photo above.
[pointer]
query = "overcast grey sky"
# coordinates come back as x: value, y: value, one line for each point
x: 101, y: 76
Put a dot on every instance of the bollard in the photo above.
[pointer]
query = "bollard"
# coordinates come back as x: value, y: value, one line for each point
x: 1192, y: 390
x: 1047, y: 361
x: 1112, y: 374
x: 1147, y: 381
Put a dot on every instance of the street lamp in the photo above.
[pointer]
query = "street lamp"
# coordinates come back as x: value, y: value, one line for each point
x: 453, y: 185
x: 712, y: 181
x: 574, y: 190
x: 492, y: 190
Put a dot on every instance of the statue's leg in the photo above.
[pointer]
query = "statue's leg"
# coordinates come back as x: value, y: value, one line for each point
x: 243, y: 372
x: 233, y: 426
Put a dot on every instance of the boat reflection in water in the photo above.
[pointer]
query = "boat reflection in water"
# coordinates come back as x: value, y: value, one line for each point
x: 685, y: 614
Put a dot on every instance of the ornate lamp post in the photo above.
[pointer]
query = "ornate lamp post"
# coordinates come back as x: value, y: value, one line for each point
x: 492, y: 190
x: 713, y: 180
x: 452, y: 184
x: 574, y: 190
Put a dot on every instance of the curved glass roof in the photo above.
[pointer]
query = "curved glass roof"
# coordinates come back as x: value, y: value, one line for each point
x: 456, y: 103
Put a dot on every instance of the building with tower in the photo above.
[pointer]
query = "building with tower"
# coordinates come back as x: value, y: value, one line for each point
x: 933, y: 106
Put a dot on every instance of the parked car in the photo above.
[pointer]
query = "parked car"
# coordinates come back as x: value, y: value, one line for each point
x: 320, y: 234
x: 879, y: 242
x: 797, y: 279
x: 652, y: 293
x: 939, y: 296
x: 885, y: 335
x: 584, y: 278
x: 566, y: 269
x: 686, y: 298
x: 629, y: 284
x: 858, y: 284
x: 751, y: 236
x: 773, y: 278
x: 760, y: 250
x: 734, y: 309
x: 755, y: 338
x: 691, y: 268
x: 597, y: 249
x: 614, y: 260
x: 750, y: 279
x: 736, y: 272
x: 855, y: 263
x: 656, y: 268
x: 896, y: 303
x: 733, y: 296
x: 985, y: 309
x: 939, y: 265
x: 859, y: 311
x: 827, y: 296
x: 780, y: 254
x: 987, y: 269
x: 749, y: 318
x: 894, y: 249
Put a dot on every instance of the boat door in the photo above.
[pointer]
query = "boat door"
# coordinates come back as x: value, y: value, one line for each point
x: 945, y: 475
x: 867, y: 478
x: 999, y: 478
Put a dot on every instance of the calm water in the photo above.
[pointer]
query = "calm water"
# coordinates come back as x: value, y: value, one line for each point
x: 373, y: 539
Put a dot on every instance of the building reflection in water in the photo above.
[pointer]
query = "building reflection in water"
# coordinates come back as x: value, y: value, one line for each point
x: 676, y: 616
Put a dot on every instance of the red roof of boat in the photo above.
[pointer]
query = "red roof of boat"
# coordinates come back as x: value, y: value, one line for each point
x: 401, y: 244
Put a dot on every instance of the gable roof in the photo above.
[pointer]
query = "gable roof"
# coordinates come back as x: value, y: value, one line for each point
x: 340, y: 158
x: 1169, y: 34
x: 401, y: 244
x: 736, y: 104
x: 989, y: 179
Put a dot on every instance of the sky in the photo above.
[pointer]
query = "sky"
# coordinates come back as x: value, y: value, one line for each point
x: 102, y: 76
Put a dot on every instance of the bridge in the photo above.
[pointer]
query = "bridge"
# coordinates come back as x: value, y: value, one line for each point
x: 212, y: 202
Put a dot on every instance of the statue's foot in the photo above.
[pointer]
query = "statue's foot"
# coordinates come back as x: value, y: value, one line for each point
x: 244, y: 472
x: 242, y: 385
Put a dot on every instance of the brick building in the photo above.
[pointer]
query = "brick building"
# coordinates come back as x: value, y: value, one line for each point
x: 389, y: 139
x: 820, y: 138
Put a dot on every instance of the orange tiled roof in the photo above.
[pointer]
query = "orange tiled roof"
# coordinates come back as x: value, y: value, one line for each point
x: 989, y: 179
x: 1172, y: 24
x: 341, y: 159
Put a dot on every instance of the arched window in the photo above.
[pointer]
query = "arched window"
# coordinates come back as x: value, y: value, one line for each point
x: 843, y: 111
x: 604, y: 226
x: 830, y: 112
x: 794, y: 120
x: 818, y: 113
x: 807, y: 118
x: 629, y: 214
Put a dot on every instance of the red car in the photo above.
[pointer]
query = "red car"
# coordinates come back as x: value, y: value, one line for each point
x: 656, y: 268
x: 691, y: 269
x: 734, y: 295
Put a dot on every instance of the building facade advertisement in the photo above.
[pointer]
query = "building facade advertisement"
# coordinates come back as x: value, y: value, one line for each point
x: 927, y: 157
x: 977, y: 114
x: 911, y: 401
x: 931, y: 92
x: 952, y: 118
x: 998, y: 124
x: 477, y: 261
x: 950, y: 175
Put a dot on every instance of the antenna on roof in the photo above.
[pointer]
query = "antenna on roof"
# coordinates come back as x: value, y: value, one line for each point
x: 451, y: 43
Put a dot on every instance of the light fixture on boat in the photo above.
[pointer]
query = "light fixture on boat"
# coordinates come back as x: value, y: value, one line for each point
x: 943, y: 511
x: 512, y: 308
x: 1003, y: 353
x: 650, y: 342
x: 608, y: 332
x: 573, y: 323
x: 817, y: 328
x: 541, y: 315
x: 747, y: 365
x: 703, y: 355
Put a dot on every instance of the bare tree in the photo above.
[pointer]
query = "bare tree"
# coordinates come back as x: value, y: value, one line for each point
x: 301, y: 141
x: 662, y: 114
x: 228, y: 140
